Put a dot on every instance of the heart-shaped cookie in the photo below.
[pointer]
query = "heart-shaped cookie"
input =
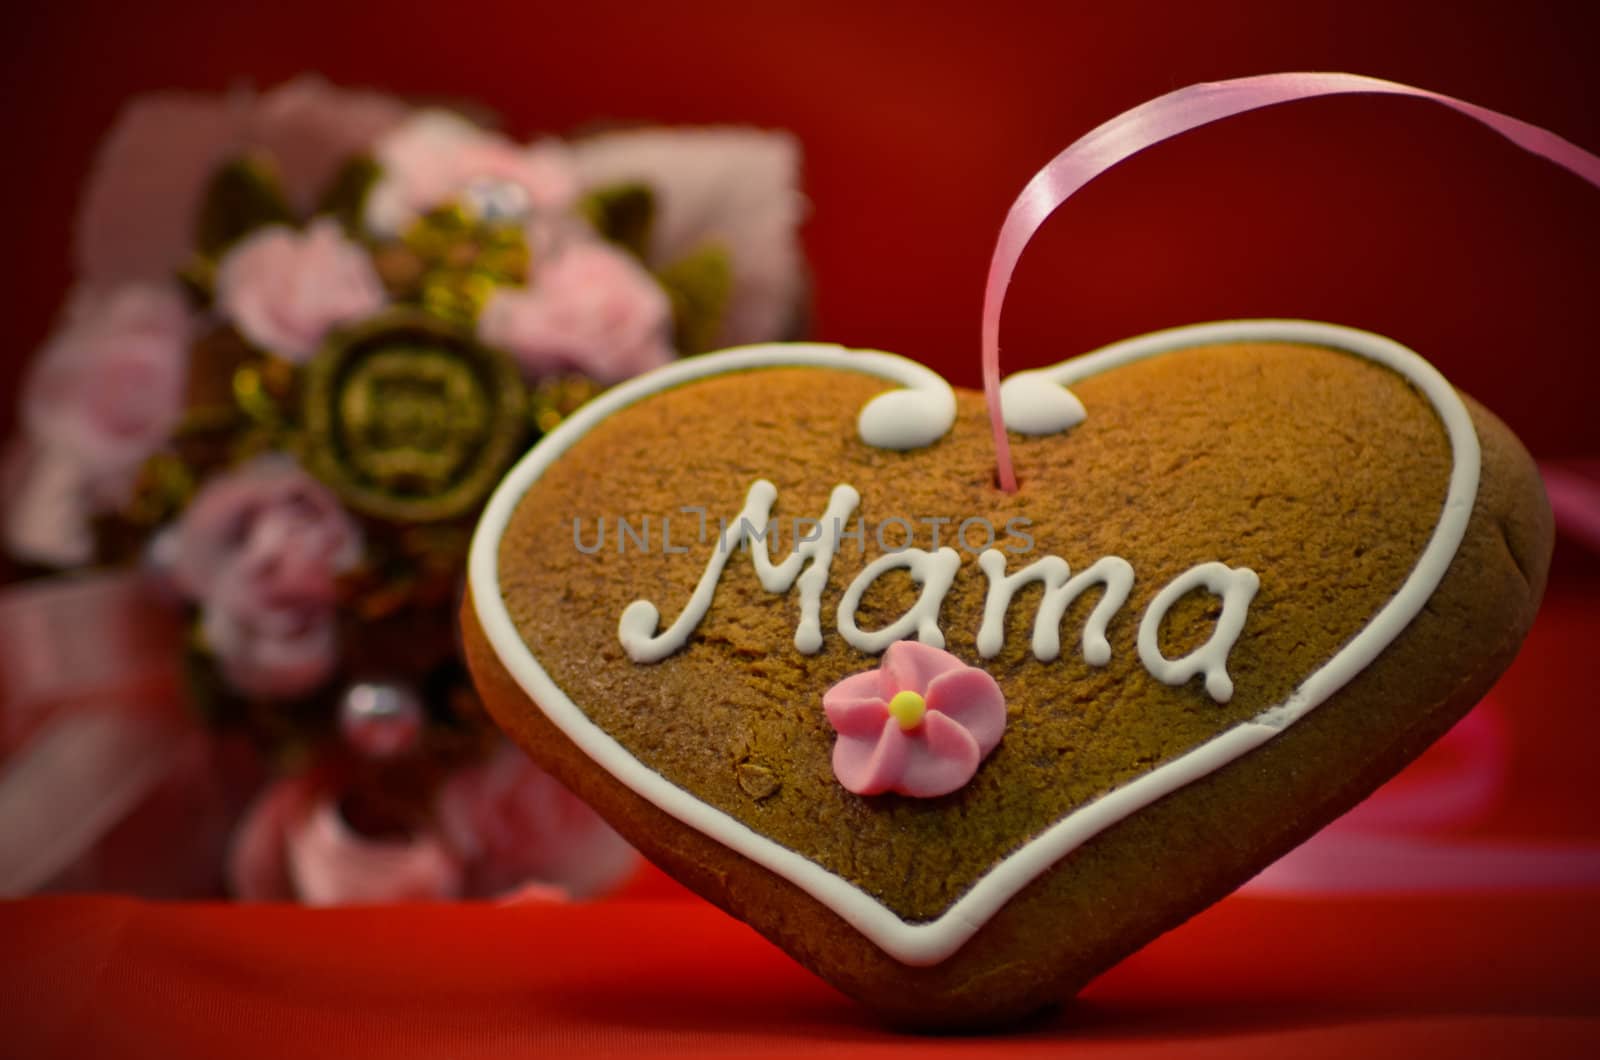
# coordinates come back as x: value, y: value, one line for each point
x: 958, y: 750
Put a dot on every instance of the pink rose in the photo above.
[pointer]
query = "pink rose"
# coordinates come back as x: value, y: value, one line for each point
x: 437, y: 157
x: 260, y: 548
x: 105, y: 393
x: 919, y: 724
x: 268, y: 506
x: 737, y: 188
x: 592, y: 309
x: 285, y: 290
x: 269, y: 646
x: 109, y: 386
x: 511, y: 823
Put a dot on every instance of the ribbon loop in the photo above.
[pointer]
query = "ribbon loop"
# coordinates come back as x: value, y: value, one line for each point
x: 1179, y: 112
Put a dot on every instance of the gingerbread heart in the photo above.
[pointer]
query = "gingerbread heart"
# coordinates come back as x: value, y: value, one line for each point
x: 958, y: 750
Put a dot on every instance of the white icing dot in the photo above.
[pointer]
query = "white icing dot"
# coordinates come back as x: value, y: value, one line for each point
x: 908, y: 419
x: 1033, y: 403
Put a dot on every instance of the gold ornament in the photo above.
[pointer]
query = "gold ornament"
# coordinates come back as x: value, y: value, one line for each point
x: 409, y: 419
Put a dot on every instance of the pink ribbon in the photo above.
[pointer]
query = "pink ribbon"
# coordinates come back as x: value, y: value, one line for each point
x: 1165, y: 117
x: 78, y: 639
x: 1575, y: 500
x: 89, y: 718
x: 1377, y: 847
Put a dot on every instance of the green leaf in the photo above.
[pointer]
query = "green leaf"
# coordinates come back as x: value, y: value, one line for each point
x: 346, y: 196
x: 623, y: 214
x: 243, y: 195
x: 699, y: 284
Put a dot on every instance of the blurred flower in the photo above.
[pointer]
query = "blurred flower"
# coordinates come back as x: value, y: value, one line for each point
x: 735, y: 187
x: 400, y: 395
x: 109, y: 386
x: 296, y: 845
x: 105, y: 393
x: 269, y: 504
x: 511, y: 823
x: 592, y: 309
x: 285, y: 290
x: 409, y: 419
x: 268, y: 646
x: 260, y: 548
x: 437, y: 157
x: 309, y: 129
x: 502, y: 828
x: 137, y: 222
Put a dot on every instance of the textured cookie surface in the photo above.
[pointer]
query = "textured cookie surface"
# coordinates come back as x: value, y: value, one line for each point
x: 1323, y: 472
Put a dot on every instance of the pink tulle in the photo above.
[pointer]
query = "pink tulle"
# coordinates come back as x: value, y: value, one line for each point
x: 295, y: 845
x: 137, y: 221
x: 734, y: 188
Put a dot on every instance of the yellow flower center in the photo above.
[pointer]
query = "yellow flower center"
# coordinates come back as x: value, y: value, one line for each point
x: 908, y: 708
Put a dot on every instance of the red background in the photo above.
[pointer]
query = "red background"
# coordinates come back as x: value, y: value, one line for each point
x: 920, y: 122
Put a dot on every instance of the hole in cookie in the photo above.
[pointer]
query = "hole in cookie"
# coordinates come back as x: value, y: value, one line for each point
x: 999, y: 485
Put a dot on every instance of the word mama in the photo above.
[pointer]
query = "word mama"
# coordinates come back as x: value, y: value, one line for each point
x: 808, y: 565
x: 894, y: 534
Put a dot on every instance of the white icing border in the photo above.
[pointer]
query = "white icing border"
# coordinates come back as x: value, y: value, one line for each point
x: 932, y: 941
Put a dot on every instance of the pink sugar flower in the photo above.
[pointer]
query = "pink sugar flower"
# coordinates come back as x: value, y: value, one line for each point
x: 285, y: 290
x: 918, y: 725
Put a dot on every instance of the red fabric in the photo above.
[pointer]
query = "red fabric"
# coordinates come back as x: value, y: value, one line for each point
x: 656, y: 972
x: 921, y: 122
x: 1250, y: 978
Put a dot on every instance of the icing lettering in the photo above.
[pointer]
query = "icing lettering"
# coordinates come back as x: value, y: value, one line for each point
x: 809, y: 564
x: 934, y: 571
x: 640, y: 620
x: 1113, y: 572
x: 1237, y: 587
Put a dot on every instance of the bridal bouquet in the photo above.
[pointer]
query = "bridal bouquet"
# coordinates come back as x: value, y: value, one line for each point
x: 312, y: 329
